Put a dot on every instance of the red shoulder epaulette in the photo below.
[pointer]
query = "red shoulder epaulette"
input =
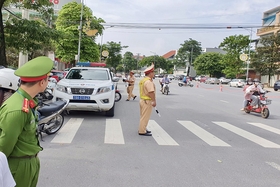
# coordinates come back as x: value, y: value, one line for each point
x: 25, y: 105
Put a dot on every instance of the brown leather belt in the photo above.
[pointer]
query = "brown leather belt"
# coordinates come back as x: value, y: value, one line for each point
x: 26, y: 156
x: 130, y: 84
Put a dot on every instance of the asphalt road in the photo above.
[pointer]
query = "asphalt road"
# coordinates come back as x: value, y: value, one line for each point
x: 202, y: 139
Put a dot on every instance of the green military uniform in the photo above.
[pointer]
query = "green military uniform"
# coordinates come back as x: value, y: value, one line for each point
x: 18, y: 125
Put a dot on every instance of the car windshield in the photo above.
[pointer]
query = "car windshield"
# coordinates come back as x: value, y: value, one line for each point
x: 88, y: 74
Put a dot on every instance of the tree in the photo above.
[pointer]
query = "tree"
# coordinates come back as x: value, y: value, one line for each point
x: 187, y: 53
x: 128, y: 62
x: 266, y: 60
x: 68, y: 23
x: 234, y: 46
x: 42, y: 6
x: 209, y: 64
x: 115, y: 57
x: 158, y: 61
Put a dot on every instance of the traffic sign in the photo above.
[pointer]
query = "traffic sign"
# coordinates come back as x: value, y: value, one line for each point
x: 243, y: 57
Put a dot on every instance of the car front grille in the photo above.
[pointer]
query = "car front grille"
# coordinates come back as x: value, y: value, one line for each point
x: 82, y: 91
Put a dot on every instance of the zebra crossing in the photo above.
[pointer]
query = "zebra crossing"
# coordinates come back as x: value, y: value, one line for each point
x: 114, y: 133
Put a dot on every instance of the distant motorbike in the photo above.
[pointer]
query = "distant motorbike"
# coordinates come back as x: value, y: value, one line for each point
x: 50, y: 116
x: 262, y: 106
x: 165, y: 88
x: 181, y: 83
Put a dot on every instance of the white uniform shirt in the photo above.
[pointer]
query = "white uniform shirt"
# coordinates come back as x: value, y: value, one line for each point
x: 6, y: 178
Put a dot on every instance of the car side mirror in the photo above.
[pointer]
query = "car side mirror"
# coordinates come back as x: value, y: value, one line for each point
x: 115, y: 79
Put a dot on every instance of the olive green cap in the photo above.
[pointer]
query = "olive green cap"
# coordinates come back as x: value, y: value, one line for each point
x: 37, y: 67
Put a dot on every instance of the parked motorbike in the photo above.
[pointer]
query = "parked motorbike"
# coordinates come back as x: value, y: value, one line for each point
x: 50, y: 116
x: 262, y: 106
x: 181, y: 83
x: 165, y: 88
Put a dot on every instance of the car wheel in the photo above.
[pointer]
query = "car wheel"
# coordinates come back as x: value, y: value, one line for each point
x: 275, y: 89
x: 111, y: 112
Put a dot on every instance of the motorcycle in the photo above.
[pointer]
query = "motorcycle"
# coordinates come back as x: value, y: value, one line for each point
x: 262, y: 106
x: 118, y: 95
x: 50, y: 116
x: 47, y: 95
x: 165, y: 88
x: 181, y: 83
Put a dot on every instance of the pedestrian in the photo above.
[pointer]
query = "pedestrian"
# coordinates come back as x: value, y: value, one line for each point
x: 6, y: 178
x: 18, y: 122
x: 147, y: 100
x: 130, y: 87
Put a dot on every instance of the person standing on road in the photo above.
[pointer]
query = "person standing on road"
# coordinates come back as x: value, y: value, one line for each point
x: 18, y: 122
x: 130, y: 87
x: 147, y: 100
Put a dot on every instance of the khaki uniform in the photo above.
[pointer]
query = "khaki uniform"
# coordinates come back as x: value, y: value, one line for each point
x: 130, y: 87
x: 146, y: 85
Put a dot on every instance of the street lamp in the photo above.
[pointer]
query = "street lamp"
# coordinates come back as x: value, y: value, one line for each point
x: 80, y: 31
x: 249, y: 59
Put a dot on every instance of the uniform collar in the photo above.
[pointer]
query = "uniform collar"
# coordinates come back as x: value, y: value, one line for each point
x: 33, y: 102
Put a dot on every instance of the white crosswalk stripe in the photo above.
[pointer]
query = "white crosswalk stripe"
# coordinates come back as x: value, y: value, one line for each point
x: 203, y: 134
x: 160, y: 135
x: 249, y: 136
x: 266, y: 127
x: 113, y: 132
x: 68, y: 131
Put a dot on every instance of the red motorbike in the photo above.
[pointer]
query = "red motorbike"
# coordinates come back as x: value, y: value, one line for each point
x: 261, y: 107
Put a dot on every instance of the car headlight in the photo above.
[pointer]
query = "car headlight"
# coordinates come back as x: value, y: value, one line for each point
x: 103, y: 90
x: 61, y: 88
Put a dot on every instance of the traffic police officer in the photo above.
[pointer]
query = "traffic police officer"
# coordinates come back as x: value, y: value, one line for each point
x: 18, y: 122
x: 130, y: 87
x: 147, y: 100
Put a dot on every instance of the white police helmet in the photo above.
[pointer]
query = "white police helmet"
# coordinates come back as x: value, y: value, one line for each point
x: 8, y: 79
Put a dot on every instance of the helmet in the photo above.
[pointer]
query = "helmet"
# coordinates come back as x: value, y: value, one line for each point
x: 8, y: 79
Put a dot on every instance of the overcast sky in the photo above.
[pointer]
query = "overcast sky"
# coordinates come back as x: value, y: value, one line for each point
x: 160, y: 41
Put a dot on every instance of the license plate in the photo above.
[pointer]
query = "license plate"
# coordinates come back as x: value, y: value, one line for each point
x: 81, y: 97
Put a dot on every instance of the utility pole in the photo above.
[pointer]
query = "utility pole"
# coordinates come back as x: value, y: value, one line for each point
x: 80, y: 31
x: 23, y: 55
x: 190, y: 62
x: 249, y: 59
x: 138, y: 55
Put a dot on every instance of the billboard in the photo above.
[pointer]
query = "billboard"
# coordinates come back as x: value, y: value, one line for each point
x: 58, y: 4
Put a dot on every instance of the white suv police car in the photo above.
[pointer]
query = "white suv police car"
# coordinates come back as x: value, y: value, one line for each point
x: 88, y: 89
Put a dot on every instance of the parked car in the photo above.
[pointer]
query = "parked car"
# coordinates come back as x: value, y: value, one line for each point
x: 137, y: 75
x: 212, y: 80
x: 171, y: 76
x: 237, y: 82
x: 58, y: 75
x: 224, y: 80
x: 88, y: 89
x: 203, y: 79
x: 276, y: 85
x: 199, y: 77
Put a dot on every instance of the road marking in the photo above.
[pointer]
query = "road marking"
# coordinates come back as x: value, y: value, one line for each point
x: 224, y: 101
x: 160, y: 135
x: 274, y: 165
x: 207, y: 137
x: 68, y: 131
x: 266, y: 127
x: 113, y: 132
x: 247, y: 135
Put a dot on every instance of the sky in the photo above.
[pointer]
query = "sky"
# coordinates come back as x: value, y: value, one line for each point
x: 202, y: 13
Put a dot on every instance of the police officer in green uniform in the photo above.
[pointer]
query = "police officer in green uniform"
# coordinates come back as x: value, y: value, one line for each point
x: 18, y: 122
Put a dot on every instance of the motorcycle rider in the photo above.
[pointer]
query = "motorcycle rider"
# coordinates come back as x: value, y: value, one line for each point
x: 251, y: 93
x: 165, y: 80
x: 8, y: 84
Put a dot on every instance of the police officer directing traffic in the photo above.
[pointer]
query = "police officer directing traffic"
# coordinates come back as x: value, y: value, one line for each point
x: 147, y: 100
x: 18, y: 122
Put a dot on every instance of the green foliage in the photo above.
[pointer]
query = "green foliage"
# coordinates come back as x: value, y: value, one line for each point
x: 267, y: 57
x: 209, y: 64
x: 115, y: 57
x: 68, y: 23
x: 234, y: 46
x: 129, y: 63
x: 158, y: 61
x: 187, y: 54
